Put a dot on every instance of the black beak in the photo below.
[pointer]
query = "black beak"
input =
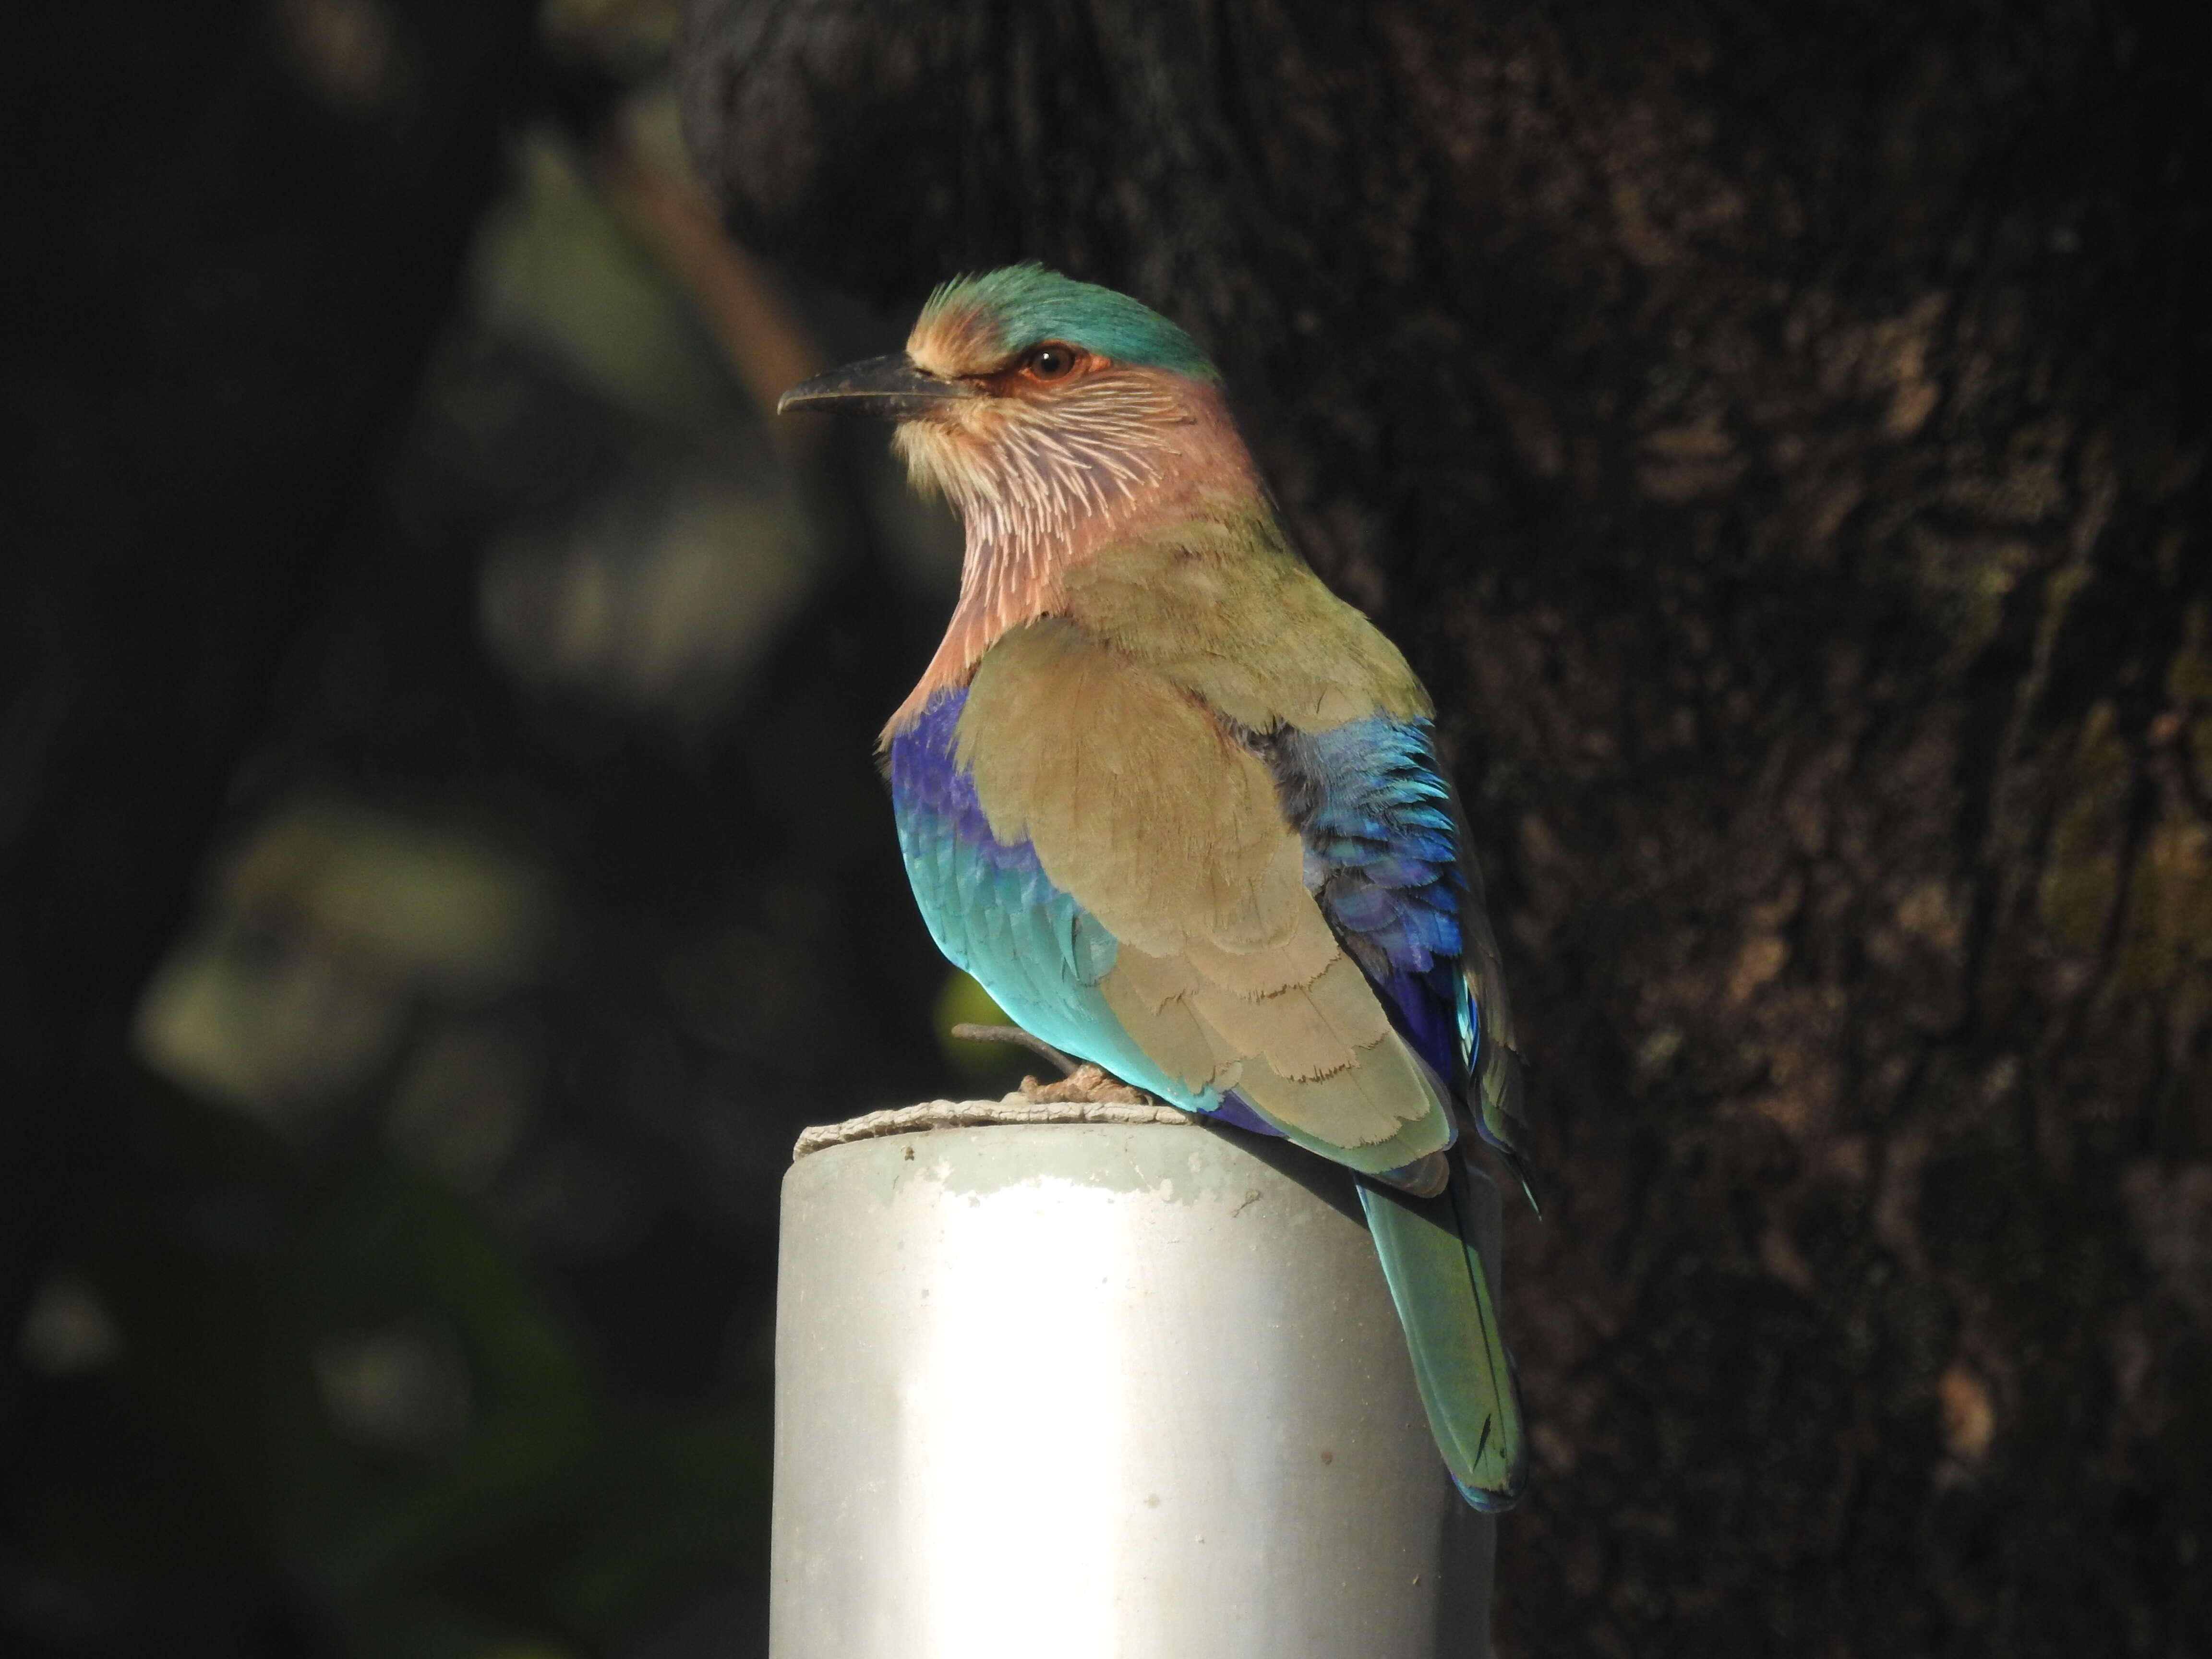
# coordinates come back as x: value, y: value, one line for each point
x: 890, y: 387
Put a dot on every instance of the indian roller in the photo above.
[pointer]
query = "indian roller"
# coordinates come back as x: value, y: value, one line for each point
x: 1177, y: 806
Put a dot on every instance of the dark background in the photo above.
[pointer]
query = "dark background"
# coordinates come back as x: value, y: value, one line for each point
x: 441, y: 865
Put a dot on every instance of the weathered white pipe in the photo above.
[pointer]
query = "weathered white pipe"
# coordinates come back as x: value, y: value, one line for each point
x: 1103, y: 1392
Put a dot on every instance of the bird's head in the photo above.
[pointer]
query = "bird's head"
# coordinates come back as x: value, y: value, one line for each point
x: 1034, y: 401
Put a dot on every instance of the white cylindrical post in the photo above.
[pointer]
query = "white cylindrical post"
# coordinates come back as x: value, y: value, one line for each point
x: 1102, y: 1392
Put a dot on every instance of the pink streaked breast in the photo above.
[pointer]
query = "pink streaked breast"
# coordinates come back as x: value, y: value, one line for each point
x: 1041, y: 490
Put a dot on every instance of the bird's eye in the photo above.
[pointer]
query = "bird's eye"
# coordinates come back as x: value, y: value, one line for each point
x: 1051, y: 362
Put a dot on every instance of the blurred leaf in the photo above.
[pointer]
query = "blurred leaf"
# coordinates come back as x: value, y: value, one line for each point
x: 554, y: 266
x: 666, y: 601
x: 433, y: 901
x: 331, y: 925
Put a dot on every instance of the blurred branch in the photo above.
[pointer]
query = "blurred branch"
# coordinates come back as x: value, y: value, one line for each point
x: 1015, y: 1036
x: 764, y: 344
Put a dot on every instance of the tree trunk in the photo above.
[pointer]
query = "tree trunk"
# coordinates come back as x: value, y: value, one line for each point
x: 1777, y: 438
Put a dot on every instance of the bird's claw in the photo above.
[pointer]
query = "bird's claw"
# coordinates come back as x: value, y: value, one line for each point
x: 1087, y: 1082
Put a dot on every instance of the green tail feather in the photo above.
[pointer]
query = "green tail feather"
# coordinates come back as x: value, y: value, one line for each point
x: 1444, y: 1300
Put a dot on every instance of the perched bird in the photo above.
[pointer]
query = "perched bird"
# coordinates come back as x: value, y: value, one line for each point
x: 1177, y: 807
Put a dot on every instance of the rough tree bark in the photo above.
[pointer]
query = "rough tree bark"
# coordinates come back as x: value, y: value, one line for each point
x: 1777, y: 438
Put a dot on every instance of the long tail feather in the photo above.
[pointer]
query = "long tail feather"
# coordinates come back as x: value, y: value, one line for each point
x: 1446, y: 1302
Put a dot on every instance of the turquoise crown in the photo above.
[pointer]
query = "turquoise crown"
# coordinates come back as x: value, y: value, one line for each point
x: 1024, y: 305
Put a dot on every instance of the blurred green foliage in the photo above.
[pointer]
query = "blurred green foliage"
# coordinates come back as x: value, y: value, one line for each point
x: 337, y: 1374
x: 430, y: 1315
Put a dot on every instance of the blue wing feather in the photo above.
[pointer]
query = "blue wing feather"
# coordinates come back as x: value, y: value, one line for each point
x: 1382, y: 859
x: 1387, y: 860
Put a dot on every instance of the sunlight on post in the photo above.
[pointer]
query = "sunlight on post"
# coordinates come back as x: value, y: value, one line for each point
x: 1102, y: 1390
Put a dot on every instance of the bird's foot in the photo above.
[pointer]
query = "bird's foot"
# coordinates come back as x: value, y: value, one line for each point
x: 1081, y: 1083
x: 1087, y: 1084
